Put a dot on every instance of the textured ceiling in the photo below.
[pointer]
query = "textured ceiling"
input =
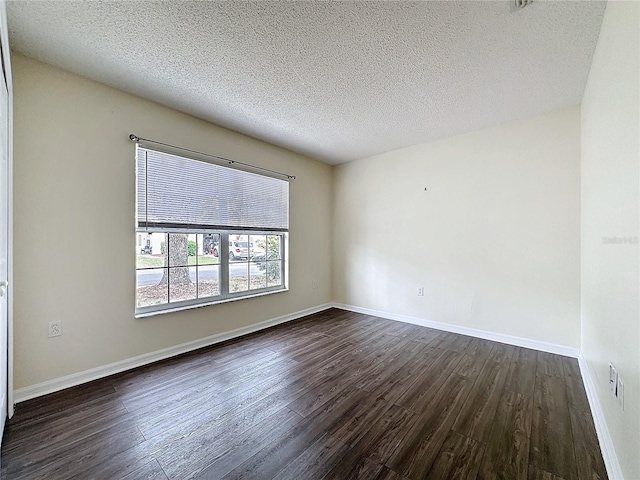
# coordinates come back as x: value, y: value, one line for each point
x: 334, y: 80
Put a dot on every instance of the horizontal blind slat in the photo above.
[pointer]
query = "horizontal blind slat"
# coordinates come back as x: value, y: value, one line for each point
x: 178, y: 190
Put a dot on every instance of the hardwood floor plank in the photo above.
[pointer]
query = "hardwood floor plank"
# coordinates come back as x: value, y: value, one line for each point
x: 426, y: 335
x: 392, y: 350
x: 210, y: 373
x: 296, y: 345
x: 376, y: 339
x: 168, y: 370
x: 386, y: 434
x: 551, y: 437
x: 63, y: 462
x: 420, y: 393
x: 387, y: 474
x: 395, y: 386
x: 60, y: 434
x: 456, y: 343
x: 282, y: 339
x: 473, y: 358
x: 213, y: 456
x: 364, y: 469
x: 207, y: 392
x: 522, y: 371
x: 502, y: 353
x: 507, y: 453
x: 362, y: 458
x: 458, y: 458
x: 190, y: 448
x: 195, y: 446
x: 361, y: 416
x: 271, y: 459
x: 576, y: 394
x: 191, y: 416
x: 127, y: 462
x: 478, y: 412
x: 19, y: 434
x: 415, y: 456
x: 354, y: 330
x: 536, y: 473
x: 397, y: 329
x: 331, y: 388
x: 384, y: 370
x: 319, y: 351
x: 238, y: 354
x: 337, y: 358
x: 338, y: 363
x: 292, y: 385
x: 550, y: 364
x: 401, y: 329
x: 315, y: 461
x: 344, y: 319
x: 59, y: 403
x: 589, y: 462
x: 420, y: 334
x: 150, y: 471
x: 247, y: 369
x: 181, y: 434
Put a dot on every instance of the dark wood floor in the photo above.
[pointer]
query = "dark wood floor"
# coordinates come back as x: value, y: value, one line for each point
x: 335, y: 395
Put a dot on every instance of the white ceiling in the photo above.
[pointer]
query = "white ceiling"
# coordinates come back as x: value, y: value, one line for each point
x: 334, y: 80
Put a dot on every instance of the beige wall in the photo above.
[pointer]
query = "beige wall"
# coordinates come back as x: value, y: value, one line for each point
x: 74, y: 173
x: 495, y: 239
x: 610, y: 213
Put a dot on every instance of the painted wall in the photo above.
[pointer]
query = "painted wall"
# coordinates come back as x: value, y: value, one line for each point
x: 74, y: 173
x: 611, y: 225
x: 495, y: 238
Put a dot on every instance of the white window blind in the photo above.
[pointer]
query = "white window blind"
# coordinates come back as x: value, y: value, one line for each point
x: 179, y: 192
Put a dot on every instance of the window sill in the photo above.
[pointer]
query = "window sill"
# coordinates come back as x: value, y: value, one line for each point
x: 206, y: 304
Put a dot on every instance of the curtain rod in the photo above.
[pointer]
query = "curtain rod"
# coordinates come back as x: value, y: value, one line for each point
x: 137, y: 139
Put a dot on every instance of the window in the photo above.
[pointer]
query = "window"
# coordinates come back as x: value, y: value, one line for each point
x: 206, y: 233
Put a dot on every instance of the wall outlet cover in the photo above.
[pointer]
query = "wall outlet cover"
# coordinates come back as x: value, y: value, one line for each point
x: 613, y: 379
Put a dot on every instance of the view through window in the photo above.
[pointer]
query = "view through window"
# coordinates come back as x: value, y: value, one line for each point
x: 193, y: 243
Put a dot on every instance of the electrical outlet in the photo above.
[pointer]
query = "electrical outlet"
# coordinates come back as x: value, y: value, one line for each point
x: 620, y: 393
x: 613, y: 379
x: 421, y: 291
x: 314, y: 284
x: 55, y: 329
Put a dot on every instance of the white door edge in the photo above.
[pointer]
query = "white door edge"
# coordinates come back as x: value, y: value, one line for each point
x: 6, y: 51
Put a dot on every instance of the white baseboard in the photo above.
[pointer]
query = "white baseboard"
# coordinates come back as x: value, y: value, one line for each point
x: 50, y: 386
x: 604, y: 438
x: 473, y: 332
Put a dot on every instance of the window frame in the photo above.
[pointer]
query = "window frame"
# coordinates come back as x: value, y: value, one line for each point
x: 194, y: 227
x: 224, y: 265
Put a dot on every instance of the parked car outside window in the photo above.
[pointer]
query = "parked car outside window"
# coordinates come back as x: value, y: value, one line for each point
x: 238, y: 250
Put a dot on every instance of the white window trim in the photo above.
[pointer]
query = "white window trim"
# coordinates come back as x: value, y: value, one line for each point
x: 174, y: 307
